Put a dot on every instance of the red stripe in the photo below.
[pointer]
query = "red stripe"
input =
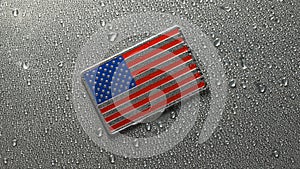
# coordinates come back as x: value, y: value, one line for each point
x: 156, y: 95
x: 158, y: 106
x: 165, y: 69
x: 160, y: 60
x: 146, y: 89
x: 150, y: 43
x: 155, y: 52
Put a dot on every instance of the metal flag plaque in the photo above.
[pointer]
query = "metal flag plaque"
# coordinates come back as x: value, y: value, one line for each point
x: 142, y: 80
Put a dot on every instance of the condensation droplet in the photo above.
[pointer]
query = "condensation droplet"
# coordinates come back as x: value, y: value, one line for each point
x: 226, y: 8
x: 243, y: 64
x: 244, y: 85
x: 276, y: 153
x: 254, y: 26
x: 100, y: 132
x: 15, y: 12
x: 60, y: 64
x: 109, y: 26
x: 173, y: 115
x: 194, y: 4
x: 67, y: 97
x: 293, y: 96
x: 19, y: 63
x: 232, y: 83
x: 112, y: 159
x: 226, y: 62
x: 261, y: 87
x: 25, y: 65
x: 112, y: 36
x: 160, y: 125
x: 284, y: 82
x: 28, y: 82
x: 102, y: 23
x: 148, y: 126
x: 83, y: 94
x: 5, y: 160
x: 217, y: 42
x: 14, y: 142
x: 102, y: 4
x: 136, y: 143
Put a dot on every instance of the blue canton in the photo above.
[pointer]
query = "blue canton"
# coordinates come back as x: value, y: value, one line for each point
x: 109, y: 79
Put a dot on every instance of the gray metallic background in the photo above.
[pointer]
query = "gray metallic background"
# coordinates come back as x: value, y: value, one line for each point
x: 39, y: 44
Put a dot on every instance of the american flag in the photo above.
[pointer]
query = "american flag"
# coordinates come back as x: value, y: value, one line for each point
x: 140, y: 81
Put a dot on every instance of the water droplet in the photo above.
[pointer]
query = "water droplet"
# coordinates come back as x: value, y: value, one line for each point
x: 254, y: 26
x: 112, y: 36
x: 148, y: 126
x: 102, y: 4
x: 14, y: 142
x: 160, y: 125
x: 194, y: 4
x: 284, y: 82
x: 102, y: 23
x: 293, y: 96
x: 15, y: 12
x: 242, y: 59
x: 29, y: 82
x: 25, y: 65
x: 232, y: 83
x: 67, y: 97
x: 136, y: 143
x: 261, y: 87
x: 226, y: 8
x: 276, y: 153
x: 60, y: 64
x: 217, y: 42
x: 226, y: 62
x: 244, y: 85
x: 173, y: 115
x: 5, y: 160
x: 112, y: 159
x: 83, y: 94
x: 46, y: 130
x: 52, y: 162
x: 19, y: 63
x: 100, y: 132
x: 109, y: 26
